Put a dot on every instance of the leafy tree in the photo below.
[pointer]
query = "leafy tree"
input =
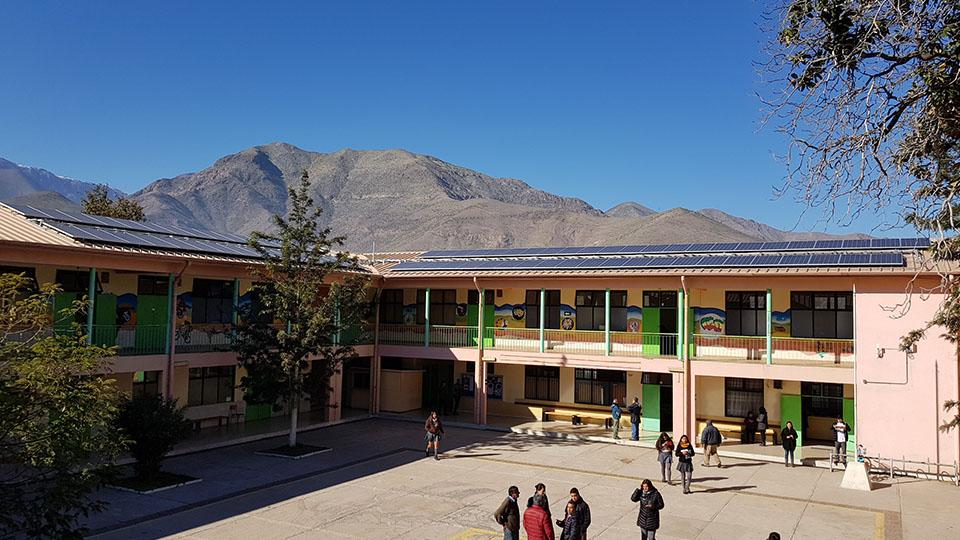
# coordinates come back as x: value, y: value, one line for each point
x: 870, y: 101
x: 308, y: 293
x: 153, y: 425
x: 97, y: 202
x: 56, y: 420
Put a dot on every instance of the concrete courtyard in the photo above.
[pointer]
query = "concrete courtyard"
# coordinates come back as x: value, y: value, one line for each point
x: 376, y: 483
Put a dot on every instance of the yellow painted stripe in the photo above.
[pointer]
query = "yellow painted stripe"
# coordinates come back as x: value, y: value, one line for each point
x: 477, y: 534
x: 879, y: 532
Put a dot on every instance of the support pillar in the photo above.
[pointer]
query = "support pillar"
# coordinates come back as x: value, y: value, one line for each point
x: 606, y: 322
x: 426, y: 318
x: 681, y: 325
x: 479, y: 369
x: 769, y: 327
x: 334, y: 402
x: 375, y: 359
x: 168, y: 347
x: 543, y: 313
x: 91, y: 303
x: 677, y: 378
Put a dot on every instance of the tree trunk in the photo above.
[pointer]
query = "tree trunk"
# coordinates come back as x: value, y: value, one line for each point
x: 294, y: 410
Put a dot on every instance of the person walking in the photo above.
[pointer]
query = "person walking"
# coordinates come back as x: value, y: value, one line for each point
x: 840, y: 433
x: 635, y: 410
x: 651, y: 502
x: 536, y: 518
x: 582, y: 510
x: 711, y: 439
x: 572, y: 528
x: 665, y: 457
x: 749, y: 428
x: 434, y: 428
x: 508, y: 514
x: 616, y: 412
x: 788, y: 438
x: 685, y: 455
x: 762, y: 426
x: 541, y: 490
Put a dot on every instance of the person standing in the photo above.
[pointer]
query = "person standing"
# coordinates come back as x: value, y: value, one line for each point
x: 457, y: 392
x: 582, y: 510
x: 541, y: 490
x: 536, y: 518
x: 762, y: 426
x: 685, y: 455
x: 572, y: 528
x: 840, y: 433
x: 616, y: 412
x: 665, y: 457
x: 434, y: 428
x: 651, y: 502
x: 508, y: 514
x: 749, y: 428
x: 711, y: 439
x: 445, y: 398
x: 788, y: 438
x: 635, y: 413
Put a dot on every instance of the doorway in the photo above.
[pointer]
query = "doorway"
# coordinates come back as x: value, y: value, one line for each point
x: 659, y: 323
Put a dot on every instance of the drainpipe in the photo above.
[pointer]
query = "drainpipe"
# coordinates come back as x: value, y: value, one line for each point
x: 91, y: 301
x: 606, y: 322
x: 479, y: 377
x: 426, y: 318
x: 543, y: 312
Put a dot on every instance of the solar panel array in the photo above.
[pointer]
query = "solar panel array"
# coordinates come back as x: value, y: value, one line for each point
x: 770, y: 260
x: 725, y: 247
x: 106, y: 230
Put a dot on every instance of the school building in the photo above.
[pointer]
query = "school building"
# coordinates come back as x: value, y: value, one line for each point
x: 808, y: 330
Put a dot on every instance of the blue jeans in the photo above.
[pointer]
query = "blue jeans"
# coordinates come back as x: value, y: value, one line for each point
x: 508, y: 535
x: 634, y: 431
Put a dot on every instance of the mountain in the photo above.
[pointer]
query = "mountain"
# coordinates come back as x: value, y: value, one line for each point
x: 392, y: 200
x: 46, y: 199
x: 19, y: 180
x: 630, y: 209
x: 765, y: 232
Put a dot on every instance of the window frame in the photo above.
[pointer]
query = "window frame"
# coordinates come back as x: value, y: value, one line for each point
x: 219, y: 377
x: 541, y: 383
x: 443, y: 307
x: 603, y: 386
x: 816, y: 399
x: 391, y: 306
x: 744, y: 386
x: 531, y: 308
x: 737, y: 306
x: 221, y: 303
x: 832, y: 321
x: 594, y: 302
x: 146, y: 388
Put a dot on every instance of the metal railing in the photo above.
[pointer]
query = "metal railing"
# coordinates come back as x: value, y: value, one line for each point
x: 647, y: 345
x: 887, y: 467
x: 452, y: 336
x: 516, y: 339
x: 804, y: 350
x: 212, y: 337
x: 401, y: 334
x: 132, y: 340
x: 575, y: 341
x: 723, y: 347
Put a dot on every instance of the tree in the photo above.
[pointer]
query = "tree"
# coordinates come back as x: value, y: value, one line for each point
x: 869, y: 98
x: 97, y: 202
x: 153, y: 425
x: 308, y: 293
x: 56, y: 420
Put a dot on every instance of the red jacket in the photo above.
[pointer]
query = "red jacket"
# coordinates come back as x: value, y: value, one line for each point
x: 537, y: 524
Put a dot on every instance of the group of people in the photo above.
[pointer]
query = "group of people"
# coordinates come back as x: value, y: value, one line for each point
x: 537, y: 519
x: 636, y: 413
x: 753, y: 425
x: 448, y: 398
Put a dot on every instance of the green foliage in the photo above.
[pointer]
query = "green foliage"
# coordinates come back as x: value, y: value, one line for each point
x: 309, y: 292
x: 97, y: 202
x: 872, y: 107
x: 56, y: 419
x: 153, y: 425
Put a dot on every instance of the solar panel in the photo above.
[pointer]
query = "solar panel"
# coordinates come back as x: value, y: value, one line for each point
x: 885, y: 243
x: 795, y: 260
x: 767, y: 260
x: 885, y: 259
x: 828, y: 244
x: 914, y: 242
x: 713, y: 260
x: 825, y: 259
x: 854, y: 259
x: 856, y: 244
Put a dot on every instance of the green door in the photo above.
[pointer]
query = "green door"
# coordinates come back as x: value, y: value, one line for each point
x: 105, y: 320
x: 848, y: 416
x: 61, y: 301
x: 651, y: 407
x: 791, y: 408
x: 488, y: 320
x: 152, y: 319
x: 651, y: 331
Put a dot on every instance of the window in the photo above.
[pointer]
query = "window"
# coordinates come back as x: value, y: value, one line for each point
x: 590, y: 310
x: 146, y: 384
x: 599, y: 386
x: 473, y: 297
x: 391, y: 306
x: 742, y: 396
x: 827, y: 315
x: 542, y: 382
x: 152, y: 285
x: 662, y: 379
x: 361, y: 380
x: 746, y: 313
x: 822, y: 399
x: 212, y: 301
x: 552, y: 310
x: 77, y: 281
x: 659, y: 299
x: 211, y: 385
x: 443, y: 306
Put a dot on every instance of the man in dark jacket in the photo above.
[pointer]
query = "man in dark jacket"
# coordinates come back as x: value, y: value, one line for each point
x: 651, y: 502
x: 615, y: 413
x: 635, y: 411
x: 711, y: 439
x: 582, y: 509
x: 508, y: 515
x: 841, y: 431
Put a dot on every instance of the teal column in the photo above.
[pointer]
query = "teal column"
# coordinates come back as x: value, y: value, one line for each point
x: 606, y: 322
x: 426, y: 318
x: 681, y: 322
x: 543, y: 313
x: 480, y: 321
x: 170, y: 314
x: 235, y: 317
x: 91, y: 301
x: 769, y: 327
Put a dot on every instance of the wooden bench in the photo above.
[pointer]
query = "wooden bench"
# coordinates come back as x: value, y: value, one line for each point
x: 220, y: 418
x: 586, y: 416
x: 735, y: 429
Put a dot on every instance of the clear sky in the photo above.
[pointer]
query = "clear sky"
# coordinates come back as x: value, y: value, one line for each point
x: 608, y: 101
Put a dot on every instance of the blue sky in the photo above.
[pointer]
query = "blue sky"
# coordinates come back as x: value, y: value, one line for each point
x: 647, y: 101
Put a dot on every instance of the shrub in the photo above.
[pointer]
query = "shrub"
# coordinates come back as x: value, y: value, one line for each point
x: 153, y: 425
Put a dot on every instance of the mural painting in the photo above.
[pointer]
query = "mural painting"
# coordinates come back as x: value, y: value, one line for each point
x: 708, y: 321
x: 494, y: 386
x: 568, y: 317
x: 781, y: 323
x: 509, y: 316
x: 634, y: 319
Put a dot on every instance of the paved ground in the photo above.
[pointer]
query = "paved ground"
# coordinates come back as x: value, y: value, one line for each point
x: 376, y: 483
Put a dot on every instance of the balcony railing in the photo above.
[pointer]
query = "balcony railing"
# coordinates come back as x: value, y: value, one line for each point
x: 197, y: 338
x: 785, y: 350
x: 514, y: 339
x: 575, y: 341
x: 402, y: 334
x: 453, y: 336
x: 648, y: 345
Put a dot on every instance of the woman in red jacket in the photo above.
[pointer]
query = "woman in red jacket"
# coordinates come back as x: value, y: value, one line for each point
x: 536, y: 520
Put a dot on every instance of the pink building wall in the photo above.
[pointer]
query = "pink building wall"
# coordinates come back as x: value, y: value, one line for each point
x: 899, y: 396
